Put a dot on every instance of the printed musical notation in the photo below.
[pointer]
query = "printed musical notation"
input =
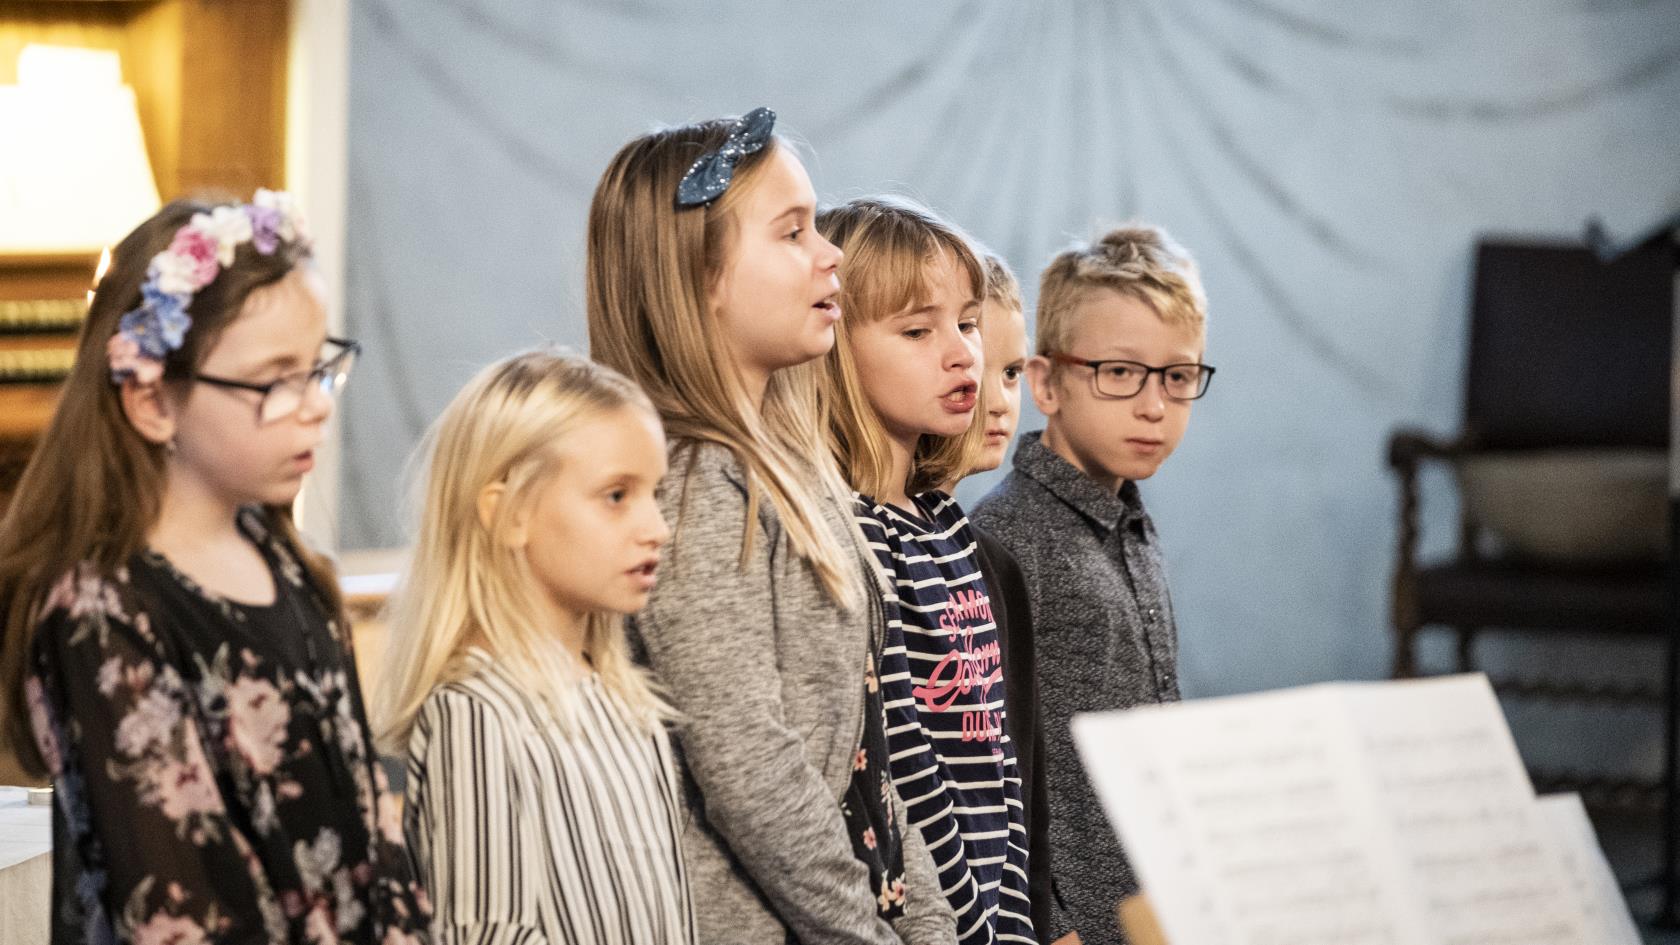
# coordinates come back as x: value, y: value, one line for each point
x: 1354, y: 814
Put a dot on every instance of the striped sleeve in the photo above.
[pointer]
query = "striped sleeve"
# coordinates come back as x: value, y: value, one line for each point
x: 942, y: 682
x: 471, y: 850
x: 915, y: 764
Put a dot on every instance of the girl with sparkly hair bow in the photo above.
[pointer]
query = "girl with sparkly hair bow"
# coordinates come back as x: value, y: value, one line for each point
x: 175, y: 658
x: 710, y: 286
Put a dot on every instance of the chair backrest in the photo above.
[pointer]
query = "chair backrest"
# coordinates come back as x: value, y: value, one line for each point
x: 1569, y: 351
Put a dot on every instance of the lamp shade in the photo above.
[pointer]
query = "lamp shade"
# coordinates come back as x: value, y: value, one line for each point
x: 74, y: 175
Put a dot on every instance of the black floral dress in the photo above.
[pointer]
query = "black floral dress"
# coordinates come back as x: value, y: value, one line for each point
x: 213, y: 772
x: 868, y: 804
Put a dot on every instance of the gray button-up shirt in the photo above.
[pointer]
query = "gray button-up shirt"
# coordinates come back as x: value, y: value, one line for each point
x: 1104, y: 638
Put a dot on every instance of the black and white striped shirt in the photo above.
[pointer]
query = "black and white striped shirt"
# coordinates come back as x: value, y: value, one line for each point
x: 528, y: 836
x: 941, y: 677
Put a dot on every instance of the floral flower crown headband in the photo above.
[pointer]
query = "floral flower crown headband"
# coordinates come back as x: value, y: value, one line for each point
x: 197, y: 254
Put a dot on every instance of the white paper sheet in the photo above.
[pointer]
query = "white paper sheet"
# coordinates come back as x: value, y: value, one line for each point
x: 1601, y: 896
x: 1394, y: 813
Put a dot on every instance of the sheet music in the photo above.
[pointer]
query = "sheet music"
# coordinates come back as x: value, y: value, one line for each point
x: 1583, y: 860
x: 1394, y: 813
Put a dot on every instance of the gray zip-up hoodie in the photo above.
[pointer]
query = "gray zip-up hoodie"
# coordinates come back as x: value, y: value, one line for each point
x: 766, y: 673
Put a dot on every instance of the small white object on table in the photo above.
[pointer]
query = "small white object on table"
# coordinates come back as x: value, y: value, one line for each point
x: 25, y: 868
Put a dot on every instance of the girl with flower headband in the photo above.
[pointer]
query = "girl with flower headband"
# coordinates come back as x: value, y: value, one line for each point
x: 174, y: 656
x: 543, y: 803
x: 708, y: 285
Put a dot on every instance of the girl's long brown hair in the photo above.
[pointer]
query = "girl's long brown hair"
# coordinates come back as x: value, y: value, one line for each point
x: 651, y: 267
x: 93, y: 487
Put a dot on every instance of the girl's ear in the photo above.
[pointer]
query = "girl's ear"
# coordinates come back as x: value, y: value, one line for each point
x: 517, y: 532
x: 149, y: 410
x: 1044, y: 392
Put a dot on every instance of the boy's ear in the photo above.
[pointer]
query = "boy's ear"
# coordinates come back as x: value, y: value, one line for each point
x: 1043, y: 388
x: 149, y: 410
x: 517, y: 533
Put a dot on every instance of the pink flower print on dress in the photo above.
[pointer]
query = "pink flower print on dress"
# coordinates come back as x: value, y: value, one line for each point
x: 83, y: 593
x: 165, y: 929
x: 318, y: 926
x: 869, y: 841
x: 257, y: 721
x: 892, y: 893
x: 861, y: 762
x: 182, y: 787
x: 110, y: 676
x: 150, y: 723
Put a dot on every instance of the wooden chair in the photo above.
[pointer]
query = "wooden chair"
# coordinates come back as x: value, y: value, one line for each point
x: 1568, y: 374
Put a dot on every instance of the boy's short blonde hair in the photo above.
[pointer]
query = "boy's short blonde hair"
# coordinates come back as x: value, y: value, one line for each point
x: 1001, y: 286
x: 1137, y: 260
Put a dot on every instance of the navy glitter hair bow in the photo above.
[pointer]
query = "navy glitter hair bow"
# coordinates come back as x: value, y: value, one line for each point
x: 709, y: 177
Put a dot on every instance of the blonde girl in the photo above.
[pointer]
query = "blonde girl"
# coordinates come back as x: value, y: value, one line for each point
x: 902, y: 389
x: 542, y: 800
x: 174, y: 657
x: 709, y: 286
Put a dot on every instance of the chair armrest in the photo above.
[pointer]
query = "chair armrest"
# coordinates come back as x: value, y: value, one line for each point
x: 1407, y: 448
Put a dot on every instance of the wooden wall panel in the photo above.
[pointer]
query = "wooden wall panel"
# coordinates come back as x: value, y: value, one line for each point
x: 234, y: 139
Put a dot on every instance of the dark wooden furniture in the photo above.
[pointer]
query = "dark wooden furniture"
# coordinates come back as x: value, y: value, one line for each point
x: 1566, y: 353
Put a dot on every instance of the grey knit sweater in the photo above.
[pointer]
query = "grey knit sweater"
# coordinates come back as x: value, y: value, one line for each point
x: 1104, y: 637
x: 766, y: 672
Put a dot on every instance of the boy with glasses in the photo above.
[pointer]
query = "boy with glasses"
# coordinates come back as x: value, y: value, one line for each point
x: 1120, y: 338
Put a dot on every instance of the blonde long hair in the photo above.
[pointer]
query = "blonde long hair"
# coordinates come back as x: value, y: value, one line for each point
x: 889, y: 243
x: 462, y: 587
x: 651, y: 268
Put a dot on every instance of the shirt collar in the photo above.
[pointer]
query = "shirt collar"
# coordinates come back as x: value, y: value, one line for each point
x: 1105, y: 509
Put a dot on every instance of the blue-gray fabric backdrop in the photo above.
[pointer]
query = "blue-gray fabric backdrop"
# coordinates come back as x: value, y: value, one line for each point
x: 1330, y: 163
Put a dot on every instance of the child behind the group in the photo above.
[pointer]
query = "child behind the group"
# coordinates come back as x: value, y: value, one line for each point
x: 1120, y: 342
x: 182, y: 658
x: 710, y: 286
x: 1003, y: 334
x: 542, y: 797
x: 902, y: 390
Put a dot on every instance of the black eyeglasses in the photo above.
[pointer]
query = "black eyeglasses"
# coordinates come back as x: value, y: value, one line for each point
x: 1122, y: 379
x: 282, y: 397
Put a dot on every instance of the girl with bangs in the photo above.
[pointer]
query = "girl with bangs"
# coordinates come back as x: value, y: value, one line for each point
x: 709, y: 285
x: 542, y: 801
x: 902, y: 388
